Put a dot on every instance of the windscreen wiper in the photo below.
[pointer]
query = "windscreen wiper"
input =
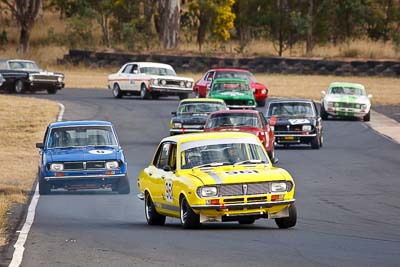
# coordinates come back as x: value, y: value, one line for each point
x: 250, y: 161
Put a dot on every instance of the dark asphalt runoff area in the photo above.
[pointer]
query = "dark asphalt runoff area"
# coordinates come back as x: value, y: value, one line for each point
x: 348, y: 203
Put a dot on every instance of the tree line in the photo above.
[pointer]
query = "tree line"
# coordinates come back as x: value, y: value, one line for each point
x: 138, y: 24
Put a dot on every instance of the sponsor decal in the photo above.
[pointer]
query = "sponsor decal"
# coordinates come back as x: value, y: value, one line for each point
x: 241, y: 172
x: 168, y: 190
x: 298, y: 121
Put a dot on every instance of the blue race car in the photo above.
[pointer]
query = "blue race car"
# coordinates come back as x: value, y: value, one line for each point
x: 82, y: 155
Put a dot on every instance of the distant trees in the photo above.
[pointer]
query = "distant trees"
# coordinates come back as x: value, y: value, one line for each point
x: 143, y: 24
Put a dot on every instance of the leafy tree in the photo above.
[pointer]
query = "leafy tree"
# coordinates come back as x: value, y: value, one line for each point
x: 214, y: 17
x: 26, y: 13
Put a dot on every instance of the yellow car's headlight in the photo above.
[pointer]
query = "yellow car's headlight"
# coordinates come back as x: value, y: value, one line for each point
x: 278, y: 187
x: 208, y: 191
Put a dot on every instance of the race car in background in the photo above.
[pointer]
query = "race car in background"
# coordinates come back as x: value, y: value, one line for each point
x: 346, y: 100
x: 192, y: 113
x: 235, y: 92
x: 250, y: 121
x: 149, y: 80
x: 260, y: 90
x: 295, y: 121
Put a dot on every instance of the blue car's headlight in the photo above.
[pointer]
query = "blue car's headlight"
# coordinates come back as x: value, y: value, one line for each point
x: 56, y: 167
x: 112, y: 165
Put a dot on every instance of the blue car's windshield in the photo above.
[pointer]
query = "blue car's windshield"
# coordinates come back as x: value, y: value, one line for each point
x: 79, y: 136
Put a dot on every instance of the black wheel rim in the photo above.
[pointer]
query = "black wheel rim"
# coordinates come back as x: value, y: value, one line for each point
x: 184, y: 211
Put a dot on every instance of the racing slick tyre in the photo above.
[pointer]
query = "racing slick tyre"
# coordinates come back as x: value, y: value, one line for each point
x: 152, y: 216
x: 51, y: 91
x: 324, y: 114
x: 271, y: 155
x: 197, y: 93
x: 316, y: 142
x: 183, y: 96
x: 44, y: 187
x: 123, y: 186
x: 261, y: 103
x: 247, y: 221
x: 144, y: 94
x: 19, y: 87
x: 368, y: 116
x: 116, y: 91
x: 189, y: 219
x: 287, y: 222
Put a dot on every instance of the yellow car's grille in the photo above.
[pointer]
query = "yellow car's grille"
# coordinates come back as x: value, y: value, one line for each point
x: 244, y: 189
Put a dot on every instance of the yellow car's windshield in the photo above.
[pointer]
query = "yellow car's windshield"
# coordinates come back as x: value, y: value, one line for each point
x: 234, y: 151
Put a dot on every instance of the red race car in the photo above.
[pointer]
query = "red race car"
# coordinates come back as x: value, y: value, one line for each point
x: 260, y: 91
x: 251, y: 121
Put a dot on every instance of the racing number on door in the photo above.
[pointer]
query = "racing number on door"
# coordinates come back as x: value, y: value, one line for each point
x: 168, y: 190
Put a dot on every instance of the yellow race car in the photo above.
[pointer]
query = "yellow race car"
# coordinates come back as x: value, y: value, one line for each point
x: 215, y: 177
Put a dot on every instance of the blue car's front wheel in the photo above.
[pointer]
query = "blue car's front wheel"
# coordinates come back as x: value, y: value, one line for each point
x: 44, y: 186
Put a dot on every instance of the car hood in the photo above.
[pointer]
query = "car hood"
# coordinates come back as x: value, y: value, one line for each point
x: 175, y: 78
x: 83, y: 153
x: 238, y: 174
x: 239, y: 95
x: 256, y: 85
x: 191, y: 118
x: 347, y: 98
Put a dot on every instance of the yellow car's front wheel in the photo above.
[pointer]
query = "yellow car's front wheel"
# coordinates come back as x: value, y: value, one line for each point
x: 152, y: 216
x: 287, y: 222
x: 189, y: 219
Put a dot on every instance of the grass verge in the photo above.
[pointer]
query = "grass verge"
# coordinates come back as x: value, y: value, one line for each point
x: 23, y: 123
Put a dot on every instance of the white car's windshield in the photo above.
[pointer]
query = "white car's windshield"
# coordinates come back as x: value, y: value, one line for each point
x: 81, y: 136
x: 26, y: 65
x: 233, y: 120
x: 230, y: 86
x: 283, y: 109
x: 235, y: 74
x: 200, y: 107
x: 222, y: 153
x: 157, y: 71
x: 347, y: 91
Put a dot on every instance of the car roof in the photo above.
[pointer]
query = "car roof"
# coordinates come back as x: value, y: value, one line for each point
x: 202, y: 100
x: 346, y: 84
x: 182, y: 138
x: 229, y: 69
x: 79, y: 123
x: 20, y: 60
x: 235, y: 111
x: 152, y: 64
x: 221, y: 80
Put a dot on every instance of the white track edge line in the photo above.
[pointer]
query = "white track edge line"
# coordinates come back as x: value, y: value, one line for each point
x: 23, y: 234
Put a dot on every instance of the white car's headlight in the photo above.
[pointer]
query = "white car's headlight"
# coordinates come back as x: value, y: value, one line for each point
x: 188, y: 84
x: 208, y: 191
x: 177, y: 125
x: 56, y: 167
x: 306, y: 128
x: 329, y: 104
x: 163, y: 82
x: 60, y: 79
x: 278, y: 187
x: 112, y: 165
x: 364, y: 106
x: 155, y: 82
x: 182, y: 84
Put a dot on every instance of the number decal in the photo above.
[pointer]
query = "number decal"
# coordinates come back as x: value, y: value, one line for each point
x: 168, y: 190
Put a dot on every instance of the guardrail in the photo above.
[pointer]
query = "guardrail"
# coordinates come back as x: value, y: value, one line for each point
x: 254, y: 64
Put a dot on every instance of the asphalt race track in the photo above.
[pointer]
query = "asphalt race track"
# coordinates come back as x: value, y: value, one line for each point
x: 348, y: 202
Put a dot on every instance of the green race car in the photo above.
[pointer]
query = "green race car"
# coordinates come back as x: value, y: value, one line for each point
x: 235, y: 92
